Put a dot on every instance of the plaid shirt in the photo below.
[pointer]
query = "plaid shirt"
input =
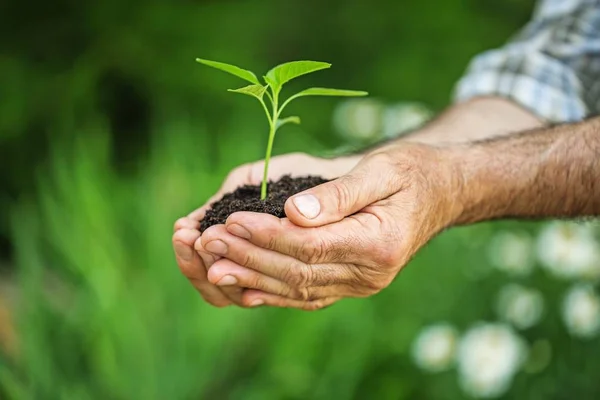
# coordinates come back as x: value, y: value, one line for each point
x: 551, y: 67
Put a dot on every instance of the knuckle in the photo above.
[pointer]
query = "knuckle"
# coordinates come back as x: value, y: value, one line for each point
x: 341, y: 193
x: 305, y: 294
x: 270, y: 233
x: 313, y: 250
x: 298, y: 276
x: 292, y: 276
x: 255, y: 281
x: 305, y: 276
x: 271, y: 240
x: 249, y: 260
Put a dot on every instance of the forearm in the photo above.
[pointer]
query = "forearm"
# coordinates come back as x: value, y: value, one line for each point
x: 548, y: 172
x: 477, y: 119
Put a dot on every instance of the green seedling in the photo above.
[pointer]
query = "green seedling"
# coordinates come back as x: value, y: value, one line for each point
x: 274, y: 81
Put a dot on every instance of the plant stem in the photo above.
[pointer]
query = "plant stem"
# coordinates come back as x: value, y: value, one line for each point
x: 272, y: 130
x: 263, y: 187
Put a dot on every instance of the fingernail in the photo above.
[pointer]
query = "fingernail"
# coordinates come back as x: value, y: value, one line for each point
x: 227, y: 280
x: 238, y: 231
x: 257, y: 303
x: 217, y: 247
x: 184, y: 252
x: 308, y: 205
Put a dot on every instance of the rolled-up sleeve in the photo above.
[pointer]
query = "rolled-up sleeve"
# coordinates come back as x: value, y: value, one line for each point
x: 551, y: 67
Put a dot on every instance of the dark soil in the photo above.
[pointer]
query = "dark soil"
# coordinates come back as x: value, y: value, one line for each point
x: 247, y: 198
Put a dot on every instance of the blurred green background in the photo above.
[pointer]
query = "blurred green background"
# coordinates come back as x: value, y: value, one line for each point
x: 109, y: 132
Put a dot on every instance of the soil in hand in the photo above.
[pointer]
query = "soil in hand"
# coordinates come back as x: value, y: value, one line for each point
x: 247, y: 198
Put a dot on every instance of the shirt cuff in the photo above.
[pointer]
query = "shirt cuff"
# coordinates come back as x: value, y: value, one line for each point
x: 535, y: 81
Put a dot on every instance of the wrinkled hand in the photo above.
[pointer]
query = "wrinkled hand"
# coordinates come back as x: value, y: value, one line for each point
x: 346, y: 238
x: 194, y: 260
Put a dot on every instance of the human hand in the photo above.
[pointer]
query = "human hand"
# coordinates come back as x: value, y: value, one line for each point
x: 194, y: 261
x: 346, y: 238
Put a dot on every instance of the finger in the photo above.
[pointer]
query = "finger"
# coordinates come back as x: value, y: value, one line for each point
x: 191, y: 266
x: 186, y: 223
x: 218, y: 241
x: 232, y: 292
x: 371, y: 180
x: 284, y: 268
x: 353, y: 240
x: 253, y: 298
x: 226, y: 272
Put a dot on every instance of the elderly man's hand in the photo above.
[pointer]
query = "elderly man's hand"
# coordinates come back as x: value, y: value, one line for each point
x: 191, y: 257
x: 346, y: 238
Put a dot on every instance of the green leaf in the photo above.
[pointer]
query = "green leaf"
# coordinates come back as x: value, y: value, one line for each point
x: 283, y: 73
x: 331, y: 92
x: 257, y: 91
x: 232, y: 69
x: 288, y: 120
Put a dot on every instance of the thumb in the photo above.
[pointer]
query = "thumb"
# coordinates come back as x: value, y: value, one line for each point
x: 371, y: 180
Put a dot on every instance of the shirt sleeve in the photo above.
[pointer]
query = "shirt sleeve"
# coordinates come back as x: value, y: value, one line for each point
x: 551, y: 67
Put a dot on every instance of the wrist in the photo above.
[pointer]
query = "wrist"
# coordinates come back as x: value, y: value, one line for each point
x: 487, y: 181
x: 433, y: 172
x: 467, y: 190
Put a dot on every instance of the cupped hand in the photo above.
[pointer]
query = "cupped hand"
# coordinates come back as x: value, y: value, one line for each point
x: 194, y: 260
x: 346, y: 238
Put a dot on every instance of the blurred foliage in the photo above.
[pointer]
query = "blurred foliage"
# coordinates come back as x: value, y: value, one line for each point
x: 109, y: 131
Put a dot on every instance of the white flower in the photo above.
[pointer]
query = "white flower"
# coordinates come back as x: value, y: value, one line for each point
x: 581, y: 311
x: 489, y: 355
x: 404, y: 117
x: 512, y: 252
x: 520, y: 306
x: 358, y: 118
x: 569, y: 250
x: 434, y: 348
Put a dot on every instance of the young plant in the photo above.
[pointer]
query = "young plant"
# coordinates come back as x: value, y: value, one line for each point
x: 274, y: 81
